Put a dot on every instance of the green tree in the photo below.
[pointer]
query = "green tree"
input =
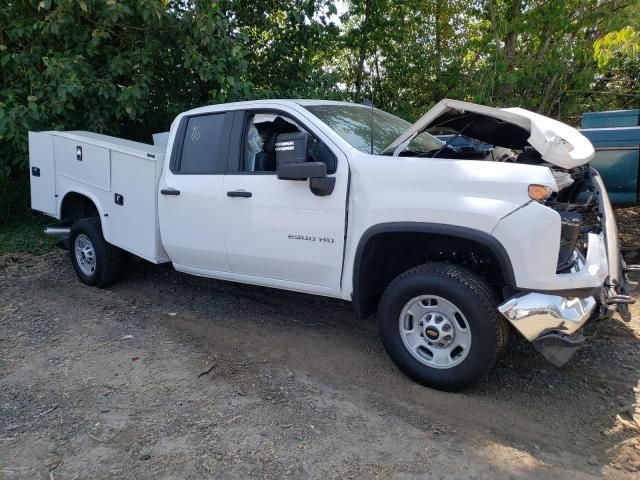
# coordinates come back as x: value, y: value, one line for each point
x: 122, y: 67
x: 535, y: 53
x: 290, y: 46
x: 621, y: 40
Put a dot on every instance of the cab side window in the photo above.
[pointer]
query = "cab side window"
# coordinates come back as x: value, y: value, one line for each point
x: 204, y: 145
x: 261, y: 132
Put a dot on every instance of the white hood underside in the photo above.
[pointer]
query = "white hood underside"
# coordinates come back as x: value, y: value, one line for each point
x: 557, y: 142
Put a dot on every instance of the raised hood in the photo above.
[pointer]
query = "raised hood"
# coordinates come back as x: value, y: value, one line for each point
x: 513, y: 128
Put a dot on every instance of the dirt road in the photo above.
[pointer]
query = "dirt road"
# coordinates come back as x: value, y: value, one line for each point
x: 168, y: 376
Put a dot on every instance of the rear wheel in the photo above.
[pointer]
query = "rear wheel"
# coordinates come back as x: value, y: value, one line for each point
x: 96, y: 262
x: 440, y: 326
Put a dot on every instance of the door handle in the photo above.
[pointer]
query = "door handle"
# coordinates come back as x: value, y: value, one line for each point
x: 170, y: 191
x: 239, y: 193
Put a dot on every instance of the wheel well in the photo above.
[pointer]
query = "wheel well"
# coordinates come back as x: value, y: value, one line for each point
x: 76, y: 206
x: 375, y: 267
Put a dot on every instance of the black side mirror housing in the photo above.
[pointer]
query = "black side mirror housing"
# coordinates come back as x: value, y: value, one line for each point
x: 301, y: 171
x: 322, y: 186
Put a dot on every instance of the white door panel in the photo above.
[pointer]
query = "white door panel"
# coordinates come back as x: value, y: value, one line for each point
x: 191, y: 193
x: 285, y: 232
x: 191, y: 224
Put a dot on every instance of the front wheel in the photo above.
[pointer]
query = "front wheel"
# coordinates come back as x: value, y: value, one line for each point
x: 440, y: 326
x: 96, y: 262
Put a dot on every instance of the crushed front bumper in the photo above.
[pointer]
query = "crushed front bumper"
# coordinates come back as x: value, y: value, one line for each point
x: 536, y: 314
x: 553, y: 321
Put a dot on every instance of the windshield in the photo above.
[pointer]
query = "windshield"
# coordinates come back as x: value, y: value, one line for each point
x: 353, y: 123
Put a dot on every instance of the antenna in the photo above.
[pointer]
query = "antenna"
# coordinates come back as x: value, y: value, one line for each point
x: 371, y: 128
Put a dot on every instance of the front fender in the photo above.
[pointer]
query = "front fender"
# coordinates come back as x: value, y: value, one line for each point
x: 531, y: 236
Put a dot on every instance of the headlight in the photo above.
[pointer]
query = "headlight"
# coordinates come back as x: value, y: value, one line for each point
x: 539, y: 192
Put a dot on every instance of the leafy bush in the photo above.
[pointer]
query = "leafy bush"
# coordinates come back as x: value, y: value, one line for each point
x: 124, y: 67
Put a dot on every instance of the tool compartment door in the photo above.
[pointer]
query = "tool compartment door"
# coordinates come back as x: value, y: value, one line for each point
x: 42, y: 173
x: 82, y: 161
x: 132, y: 209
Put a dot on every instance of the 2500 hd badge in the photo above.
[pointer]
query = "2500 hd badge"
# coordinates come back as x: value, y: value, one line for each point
x: 310, y: 238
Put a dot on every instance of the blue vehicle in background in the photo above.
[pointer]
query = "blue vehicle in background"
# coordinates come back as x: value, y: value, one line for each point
x: 616, y: 137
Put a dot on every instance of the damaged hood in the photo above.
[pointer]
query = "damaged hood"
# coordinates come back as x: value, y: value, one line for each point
x: 513, y: 128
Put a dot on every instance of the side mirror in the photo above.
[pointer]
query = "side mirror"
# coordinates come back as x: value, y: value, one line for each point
x: 291, y: 163
x: 291, y: 156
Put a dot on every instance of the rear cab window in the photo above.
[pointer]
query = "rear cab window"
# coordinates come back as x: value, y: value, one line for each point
x: 202, y: 144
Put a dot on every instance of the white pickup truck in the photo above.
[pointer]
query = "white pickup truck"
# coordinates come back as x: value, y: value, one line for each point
x: 451, y: 247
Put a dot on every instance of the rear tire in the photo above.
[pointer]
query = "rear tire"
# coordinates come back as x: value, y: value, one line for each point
x: 96, y: 262
x: 440, y: 326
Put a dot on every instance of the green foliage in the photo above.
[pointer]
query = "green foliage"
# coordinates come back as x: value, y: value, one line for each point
x: 124, y: 67
x: 25, y: 235
x: 622, y: 43
x: 290, y: 46
x: 534, y: 54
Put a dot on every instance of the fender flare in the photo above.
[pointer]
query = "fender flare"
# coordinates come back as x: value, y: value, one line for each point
x: 91, y: 197
x: 478, y: 236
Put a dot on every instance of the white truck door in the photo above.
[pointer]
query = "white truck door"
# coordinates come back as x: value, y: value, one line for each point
x: 278, y: 229
x: 191, y: 195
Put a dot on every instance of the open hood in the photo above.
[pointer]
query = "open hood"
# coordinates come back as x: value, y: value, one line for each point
x: 513, y: 128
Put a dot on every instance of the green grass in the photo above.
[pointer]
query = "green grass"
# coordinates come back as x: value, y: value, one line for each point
x: 25, y: 236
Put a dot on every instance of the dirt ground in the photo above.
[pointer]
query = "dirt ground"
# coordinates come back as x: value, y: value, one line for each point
x: 169, y: 376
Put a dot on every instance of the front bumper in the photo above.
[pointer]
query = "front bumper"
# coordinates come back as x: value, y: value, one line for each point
x: 551, y: 316
x: 536, y: 314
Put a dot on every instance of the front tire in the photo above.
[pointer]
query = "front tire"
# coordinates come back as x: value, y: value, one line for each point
x: 440, y: 326
x: 96, y: 262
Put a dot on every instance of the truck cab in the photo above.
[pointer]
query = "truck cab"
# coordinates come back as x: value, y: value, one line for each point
x: 245, y: 222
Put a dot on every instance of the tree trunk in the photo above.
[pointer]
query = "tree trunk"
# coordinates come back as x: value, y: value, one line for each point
x: 494, y: 23
x: 512, y: 35
x: 362, y: 51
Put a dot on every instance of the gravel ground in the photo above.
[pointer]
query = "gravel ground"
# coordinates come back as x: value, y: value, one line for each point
x: 169, y: 376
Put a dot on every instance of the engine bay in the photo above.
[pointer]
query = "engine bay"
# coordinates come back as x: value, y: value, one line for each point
x: 479, y: 137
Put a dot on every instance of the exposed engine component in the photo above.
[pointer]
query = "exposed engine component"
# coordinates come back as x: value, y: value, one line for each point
x: 569, y: 235
x: 563, y: 179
